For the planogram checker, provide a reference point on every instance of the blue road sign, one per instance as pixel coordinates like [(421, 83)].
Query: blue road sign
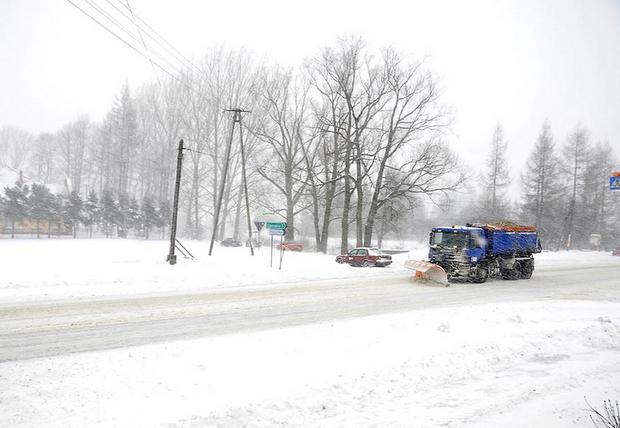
[(614, 182)]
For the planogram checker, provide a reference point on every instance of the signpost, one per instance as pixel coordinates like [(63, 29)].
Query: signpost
[(276, 229)]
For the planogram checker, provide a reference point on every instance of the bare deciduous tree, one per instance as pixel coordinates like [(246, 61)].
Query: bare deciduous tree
[(284, 132), (496, 178), (15, 147)]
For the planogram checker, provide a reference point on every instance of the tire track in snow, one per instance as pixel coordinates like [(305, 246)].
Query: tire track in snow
[(61, 327)]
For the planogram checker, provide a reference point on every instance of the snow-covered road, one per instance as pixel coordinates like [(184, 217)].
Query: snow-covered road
[(30, 330)]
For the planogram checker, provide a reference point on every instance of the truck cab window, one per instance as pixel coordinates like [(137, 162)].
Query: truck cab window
[(456, 239)]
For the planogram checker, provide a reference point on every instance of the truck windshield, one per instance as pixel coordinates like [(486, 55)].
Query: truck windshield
[(450, 239)]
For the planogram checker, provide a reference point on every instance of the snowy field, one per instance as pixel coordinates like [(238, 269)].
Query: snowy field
[(316, 344), (65, 268)]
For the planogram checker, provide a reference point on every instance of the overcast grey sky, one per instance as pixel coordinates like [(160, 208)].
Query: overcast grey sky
[(517, 62)]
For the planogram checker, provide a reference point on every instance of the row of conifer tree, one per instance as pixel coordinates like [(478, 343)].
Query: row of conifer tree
[(37, 210)]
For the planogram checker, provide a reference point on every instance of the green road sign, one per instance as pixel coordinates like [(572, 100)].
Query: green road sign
[(275, 225)]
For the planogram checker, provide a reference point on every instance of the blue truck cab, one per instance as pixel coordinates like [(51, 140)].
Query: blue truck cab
[(476, 252)]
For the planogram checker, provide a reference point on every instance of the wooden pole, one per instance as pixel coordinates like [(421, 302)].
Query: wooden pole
[(172, 258), (244, 178), (218, 206)]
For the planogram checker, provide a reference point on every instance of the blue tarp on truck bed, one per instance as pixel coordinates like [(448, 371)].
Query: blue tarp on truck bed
[(503, 242)]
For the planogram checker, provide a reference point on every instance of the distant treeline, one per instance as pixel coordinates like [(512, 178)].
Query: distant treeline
[(34, 209)]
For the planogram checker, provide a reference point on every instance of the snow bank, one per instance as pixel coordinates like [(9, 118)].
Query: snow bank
[(508, 365)]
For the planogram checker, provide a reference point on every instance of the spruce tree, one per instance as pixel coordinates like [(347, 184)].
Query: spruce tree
[(91, 211), (574, 161), (110, 213), (150, 216), (600, 214), (124, 130), (16, 203), (73, 211), (123, 216), (134, 220), (497, 178), (165, 216), (41, 203), (542, 190)]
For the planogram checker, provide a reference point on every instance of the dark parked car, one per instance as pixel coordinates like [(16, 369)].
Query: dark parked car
[(231, 242), (616, 252), (365, 257), (291, 246)]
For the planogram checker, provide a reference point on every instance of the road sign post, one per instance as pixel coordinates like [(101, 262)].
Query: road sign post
[(276, 228), (281, 250)]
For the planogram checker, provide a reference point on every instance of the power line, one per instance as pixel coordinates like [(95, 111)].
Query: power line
[(124, 29), (174, 51), (139, 29), (140, 34), (156, 37), (127, 43), (170, 48)]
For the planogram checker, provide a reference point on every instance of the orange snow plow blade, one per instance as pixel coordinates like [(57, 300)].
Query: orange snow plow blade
[(428, 272)]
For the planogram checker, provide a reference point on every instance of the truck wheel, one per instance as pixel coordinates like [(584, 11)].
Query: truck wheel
[(512, 274), (480, 277), (527, 269)]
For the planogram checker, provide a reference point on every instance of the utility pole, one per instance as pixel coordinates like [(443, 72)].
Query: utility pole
[(244, 179), (172, 258), (218, 205)]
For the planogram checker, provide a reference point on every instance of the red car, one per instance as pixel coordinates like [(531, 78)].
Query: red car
[(365, 257), (616, 252), (291, 246)]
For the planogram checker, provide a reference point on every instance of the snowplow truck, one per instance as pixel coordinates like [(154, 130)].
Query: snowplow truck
[(476, 252)]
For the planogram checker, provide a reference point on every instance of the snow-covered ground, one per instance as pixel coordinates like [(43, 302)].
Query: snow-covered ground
[(64, 268), (503, 365), (228, 341)]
